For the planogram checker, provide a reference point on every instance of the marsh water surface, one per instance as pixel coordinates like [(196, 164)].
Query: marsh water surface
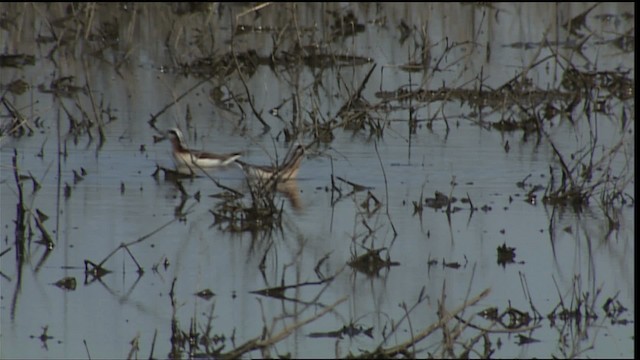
[(451, 148)]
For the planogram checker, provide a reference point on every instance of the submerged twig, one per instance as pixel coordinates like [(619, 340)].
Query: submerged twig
[(386, 190)]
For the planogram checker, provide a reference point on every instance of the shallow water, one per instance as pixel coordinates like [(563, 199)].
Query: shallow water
[(561, 254)]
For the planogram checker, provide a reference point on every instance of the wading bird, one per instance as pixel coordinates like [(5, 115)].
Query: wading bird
[(285, 171), (188, 160)]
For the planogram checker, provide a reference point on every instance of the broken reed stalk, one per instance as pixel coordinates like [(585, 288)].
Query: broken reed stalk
[(356, 95), (20, 211), (99, 266), (258, 343), (154, 117), (218, 184), (386, 190), (281, 289), (283, 334), (253, 9), (527, 293), (489, 330), (86, 347), (133, 352), (575, 193), (413, 344), (19, 120), (447, 346), (153, 344), (412, 124), (89, 14), (265, 126), (46, 238), (444, 318), (93, 102)]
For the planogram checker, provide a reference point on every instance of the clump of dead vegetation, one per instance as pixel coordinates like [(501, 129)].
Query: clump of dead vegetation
[(264, 182), (261, 214)]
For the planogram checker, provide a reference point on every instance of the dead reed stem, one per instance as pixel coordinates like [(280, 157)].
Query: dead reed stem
[(444, 319), (386, 191), (20, 211), (258, 344)]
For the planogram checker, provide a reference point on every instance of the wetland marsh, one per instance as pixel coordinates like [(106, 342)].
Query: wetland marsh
[(467, 188)]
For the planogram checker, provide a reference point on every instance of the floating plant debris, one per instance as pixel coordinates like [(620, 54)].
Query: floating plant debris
[(506, 255), (16, 60), (67, 283), (205, 294)]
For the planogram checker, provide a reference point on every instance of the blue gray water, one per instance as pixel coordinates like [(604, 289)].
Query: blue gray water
[(559, 252)]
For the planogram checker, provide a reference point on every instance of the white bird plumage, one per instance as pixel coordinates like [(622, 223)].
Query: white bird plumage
[(188, 160)]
